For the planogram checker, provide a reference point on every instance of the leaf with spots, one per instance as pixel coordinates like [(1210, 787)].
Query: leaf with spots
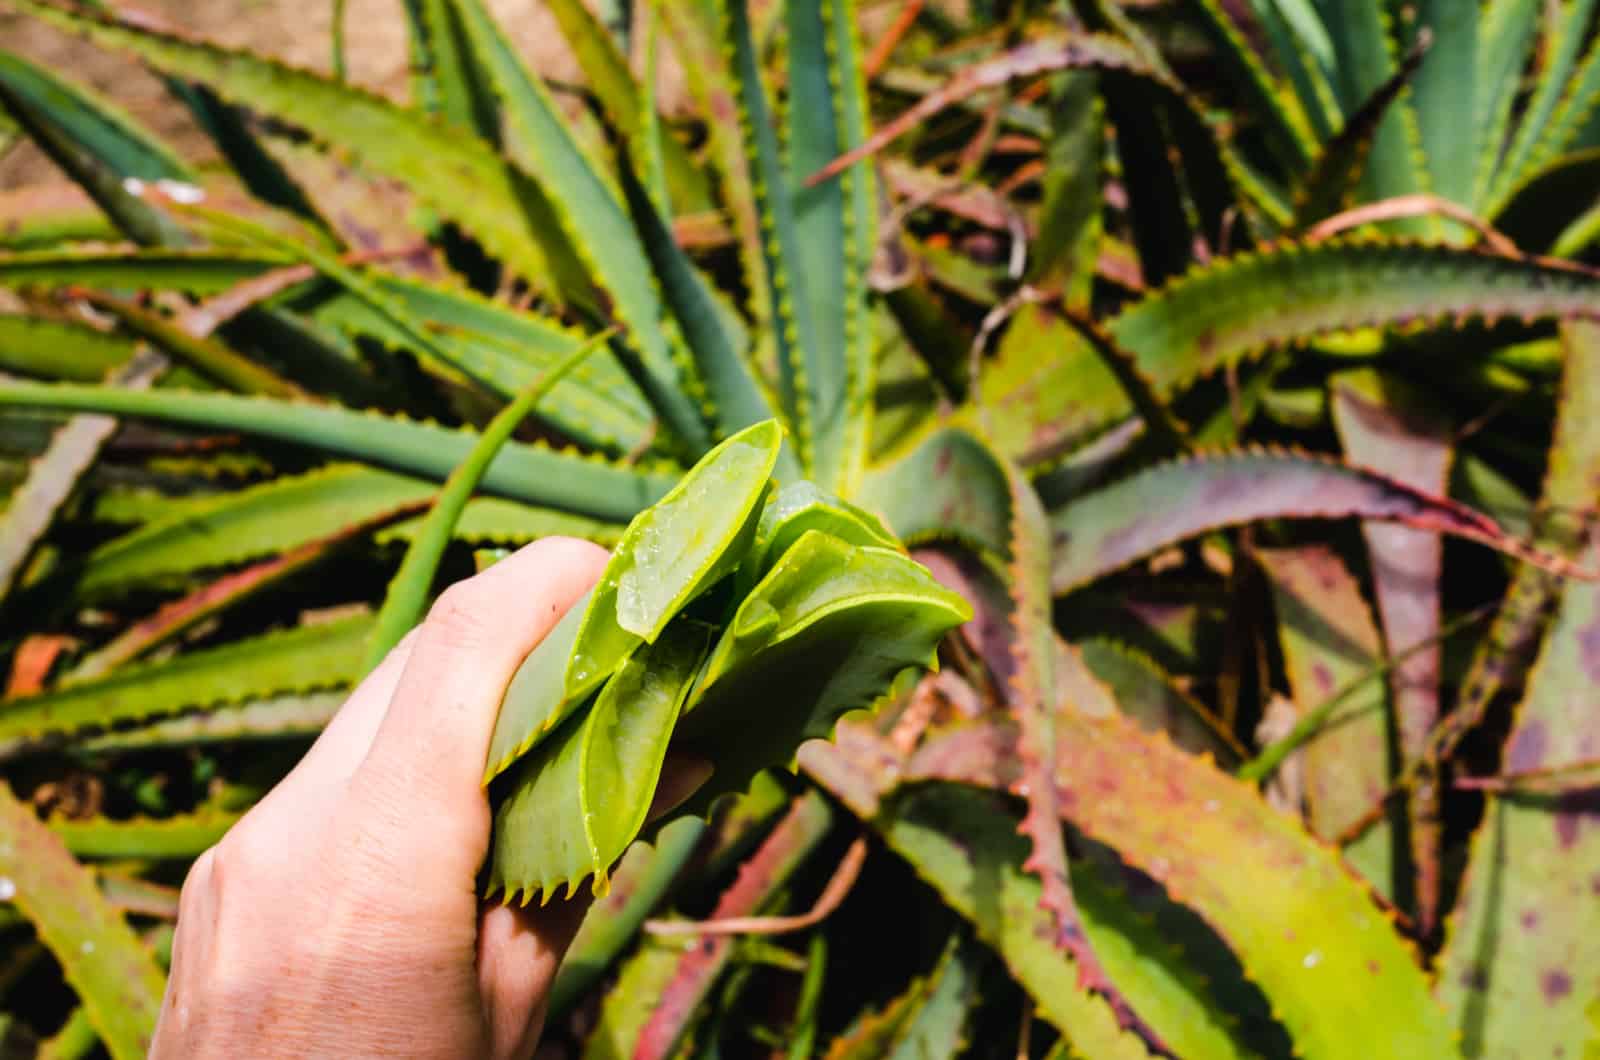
[(1391, 427), (1329, 640), (1106, 530), (114, 975), (1330, 963), (1521, 937)]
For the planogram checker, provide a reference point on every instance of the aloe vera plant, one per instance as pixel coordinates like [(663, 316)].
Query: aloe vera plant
[(1154, 454)]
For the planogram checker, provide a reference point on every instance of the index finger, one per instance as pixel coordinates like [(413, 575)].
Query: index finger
[(431, 745)]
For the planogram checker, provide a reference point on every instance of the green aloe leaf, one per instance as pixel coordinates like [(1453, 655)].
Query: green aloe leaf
[(1287, 126), (945, 489), (1106, 530), (798, 507), (597, 404), (1343, 162), (112, 135), (532, 473), (669, 554), (99, 147), (963, 842), (432, 159), (580, 798), (219, 530), (114, 975), (595, 225), (296, 660), (606, 70), (1554, 91), (642, 880), (1507, 30), (1336, 973), (1364, 60), (199, 272), (1446, 94), (1235, 307), (929, 1020), (180, 838), (1514, 944), (408, 591), (826, 631), (289, 717), (720, 351)]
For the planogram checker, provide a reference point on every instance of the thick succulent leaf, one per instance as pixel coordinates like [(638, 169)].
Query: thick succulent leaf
[(445, 82), (1234, 307), (669, 554), (285, 513), (834, 220), (92, 145), (1521, 959), (1286, 124), (297, 660), (112, 135), (1507, 29), (1150, 696), (964, 844), (947, 488), (59, 349), (797, 507), (180, 838), (719, 351), (1533, 215), (759, 884), (54, 476), (1343, 162), (1364, 60), (643, 878), (928, 1021), (580, 798), (1110, 528), (1539, 132), (795, 334), (210, 358), (531, 473), (597, 404), (1329, 641), (606, 70), (195, 271), (409, 590), (1045, 391), (214, 597), (289, 717), (706, 69), (114, 975), (625, 1010), (432, 159), (826, 631), (596, 226), (1336, 973), (1386, 426), (1445, 96), (1517, 942)]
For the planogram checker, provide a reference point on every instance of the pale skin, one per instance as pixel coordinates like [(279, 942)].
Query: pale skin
[(341, 916)]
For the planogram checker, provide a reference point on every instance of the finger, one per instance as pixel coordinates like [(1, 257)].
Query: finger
[(519, 953), (431, 744)]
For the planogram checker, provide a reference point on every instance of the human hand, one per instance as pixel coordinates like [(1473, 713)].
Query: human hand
[(340, 916)]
